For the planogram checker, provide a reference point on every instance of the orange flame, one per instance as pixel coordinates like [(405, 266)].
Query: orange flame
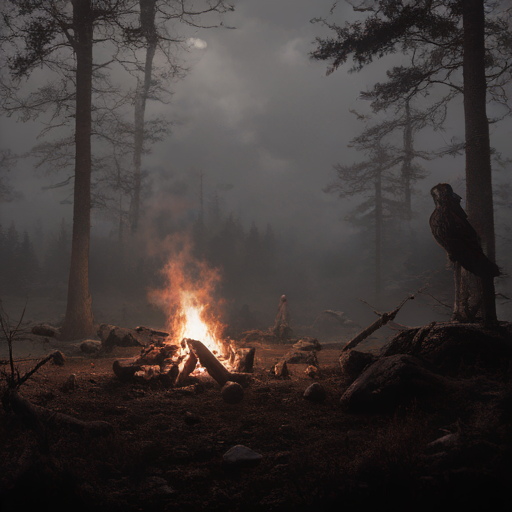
[(187, 298)]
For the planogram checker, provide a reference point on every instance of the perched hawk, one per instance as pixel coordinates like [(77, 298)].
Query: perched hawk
[(452, 231)]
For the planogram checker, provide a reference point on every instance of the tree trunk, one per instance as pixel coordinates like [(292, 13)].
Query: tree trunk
[(378, 235), (479, 200), (407, 163), (78, 322), (147, 22)]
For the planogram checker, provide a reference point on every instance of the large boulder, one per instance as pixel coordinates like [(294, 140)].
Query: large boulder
[(353, 363), (90, 347), (390, 382), (451, 347)]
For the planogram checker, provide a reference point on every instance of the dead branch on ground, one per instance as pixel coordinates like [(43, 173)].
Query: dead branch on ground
[(38, 418), (383, 319)]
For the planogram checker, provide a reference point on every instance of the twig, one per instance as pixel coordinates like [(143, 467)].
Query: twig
[(57, 357), (435, 298), (10, 334)]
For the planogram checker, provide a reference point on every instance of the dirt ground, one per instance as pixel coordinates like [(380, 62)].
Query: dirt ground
[(166, 451)]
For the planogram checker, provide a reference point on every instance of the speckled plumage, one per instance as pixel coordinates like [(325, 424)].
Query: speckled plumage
[(453, 232)]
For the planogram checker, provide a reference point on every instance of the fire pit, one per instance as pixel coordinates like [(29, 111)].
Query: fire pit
[(195, 343)]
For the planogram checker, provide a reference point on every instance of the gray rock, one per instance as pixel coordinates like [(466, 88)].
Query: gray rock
[(312, 371), (90, 346), (353, 363), (70, 384), (104, 330), (308, 345), (241, 455), (301, 357), (158, 486), (45, 330), (121, 337), (232, 392), (444, 443), (315, 393), (281, 370), (390, 382)]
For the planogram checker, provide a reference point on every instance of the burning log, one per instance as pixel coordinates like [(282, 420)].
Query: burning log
[(173, 370), (147, 372), (186, 367), (127, 369), (214, 367), (157, 355)]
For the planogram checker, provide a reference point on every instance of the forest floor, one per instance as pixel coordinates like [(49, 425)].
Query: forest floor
[(166, 451)]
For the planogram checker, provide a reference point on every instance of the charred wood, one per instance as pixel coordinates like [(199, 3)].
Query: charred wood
[(186, 367), (125, 369), (213, 366)]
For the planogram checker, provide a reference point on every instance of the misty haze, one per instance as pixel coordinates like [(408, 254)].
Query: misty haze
[(256, 184)]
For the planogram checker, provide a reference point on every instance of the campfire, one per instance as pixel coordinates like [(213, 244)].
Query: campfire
[(194, 342), (191, 322)]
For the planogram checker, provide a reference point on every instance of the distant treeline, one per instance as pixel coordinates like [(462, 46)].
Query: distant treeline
[(30, 267), (257, 265), (37, 263)]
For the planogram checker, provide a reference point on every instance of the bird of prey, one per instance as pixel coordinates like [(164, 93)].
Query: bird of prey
[(453, 232)]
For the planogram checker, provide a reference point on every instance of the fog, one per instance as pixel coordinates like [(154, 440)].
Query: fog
[(264, 125)]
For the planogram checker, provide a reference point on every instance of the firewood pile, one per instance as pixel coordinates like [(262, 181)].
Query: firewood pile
[(173, 364)]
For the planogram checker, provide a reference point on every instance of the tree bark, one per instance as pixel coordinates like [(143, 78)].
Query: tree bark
[(407, 162), (214, 367), (378, 235), (147, 22), (79, 322), (479, 200)]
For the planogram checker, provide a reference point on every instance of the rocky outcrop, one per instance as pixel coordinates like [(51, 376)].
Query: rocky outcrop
[(390, 382), (452, 347), (353, 362)]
